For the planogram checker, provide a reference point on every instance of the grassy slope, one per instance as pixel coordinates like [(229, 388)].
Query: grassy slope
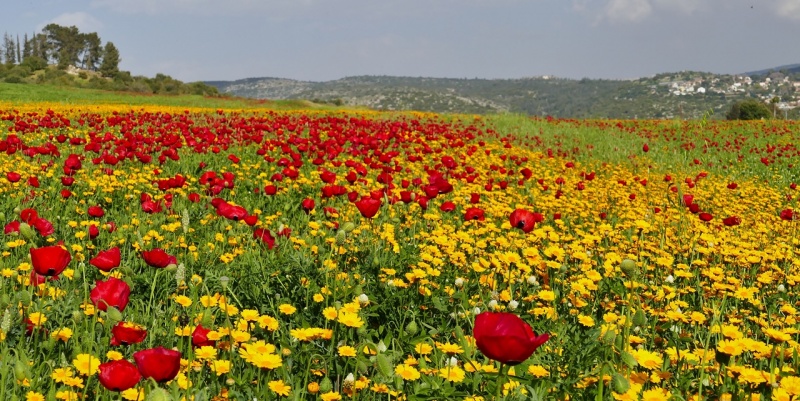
[(30, 93)]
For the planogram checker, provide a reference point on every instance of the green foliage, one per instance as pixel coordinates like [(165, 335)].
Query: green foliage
[(750, 109), (110, 65)]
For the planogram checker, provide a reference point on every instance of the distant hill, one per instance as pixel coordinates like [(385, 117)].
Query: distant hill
[(786, 69), (686, 94)]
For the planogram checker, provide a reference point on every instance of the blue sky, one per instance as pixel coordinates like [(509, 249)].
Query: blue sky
[(321, 40)]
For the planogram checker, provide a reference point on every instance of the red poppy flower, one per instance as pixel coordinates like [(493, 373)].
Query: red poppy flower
[(11, 228), (158, 258), (506, 338), (270, 190), (96, 211), (645, 148), (118, 375), (124, 333), (265, 236), (29, 215), (200, 337), (307, 205), (474, 213), (524, 220), (732, 221), (231, 212), (159, 363), (13, 177), (44, 227), (368, 207), (106, 260), (787, 214), (66, 194), (93, 231), (447, 206), (111, 292), (705, 216), (50, 260)]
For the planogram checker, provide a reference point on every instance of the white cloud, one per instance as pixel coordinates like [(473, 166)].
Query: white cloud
[(84, 21), (788, 9), (627, 10), (683, 6)]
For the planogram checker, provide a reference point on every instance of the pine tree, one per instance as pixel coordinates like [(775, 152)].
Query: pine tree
[(110, 65), (9, 49), (26, 47), (19, 51)]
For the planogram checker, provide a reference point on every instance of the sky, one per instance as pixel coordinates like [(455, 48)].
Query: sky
[(321, 40)]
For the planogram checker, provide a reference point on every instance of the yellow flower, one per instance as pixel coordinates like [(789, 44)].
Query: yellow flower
[(329, 313), (60, 375), (586, 320), (183, 300), (279, 387), (249, 315), (318, 297), (407, 372), (114, 355), (221, 367), (37, 318), (331, 396), (423, 348), (450, 349), (268, 322), (206, 353), (287, 309), (648, 360), (133, 394), (62, 334), (33, 396), (347, 351), (86, 364), (350, 319), (452, 373), (538, 371)]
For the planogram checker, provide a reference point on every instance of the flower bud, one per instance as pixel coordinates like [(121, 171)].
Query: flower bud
[(341, 237), (223, 281), (628, 268), (348, 227), (325, 385), (158, 394), (27, 231), (532, 280), (639, 319), (512, 305), (459, 282), (313, 387), (620, 384), (412, 328)]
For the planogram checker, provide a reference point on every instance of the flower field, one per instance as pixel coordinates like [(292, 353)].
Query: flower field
[(165, 253)]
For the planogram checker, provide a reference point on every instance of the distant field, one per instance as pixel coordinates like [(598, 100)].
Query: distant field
[(28, 93)]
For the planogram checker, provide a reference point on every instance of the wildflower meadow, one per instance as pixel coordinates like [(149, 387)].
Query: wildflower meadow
[(167, 253)]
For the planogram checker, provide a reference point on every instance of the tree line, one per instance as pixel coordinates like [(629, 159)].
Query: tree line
[(62, 46)]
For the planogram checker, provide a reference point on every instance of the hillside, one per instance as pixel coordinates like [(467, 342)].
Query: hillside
[(672, 95)]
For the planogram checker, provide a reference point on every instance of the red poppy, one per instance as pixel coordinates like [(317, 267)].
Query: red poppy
[(787, 214), (106, 260), (96, 211), (732, 221), (66, 194), (13, 177), (118, 375), (447, 206), (506, 338), (368, 207), (705, 216), (11, 228), (50, 260), (111, 292), (44, 227), (524, 219), (231, 212), (158, 258), (645, 148), (29, 215), (158, 363), (307, 205), (200, 337), (270, 190), (93, 231), (474, 213), (124, 333), (265, 236)]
